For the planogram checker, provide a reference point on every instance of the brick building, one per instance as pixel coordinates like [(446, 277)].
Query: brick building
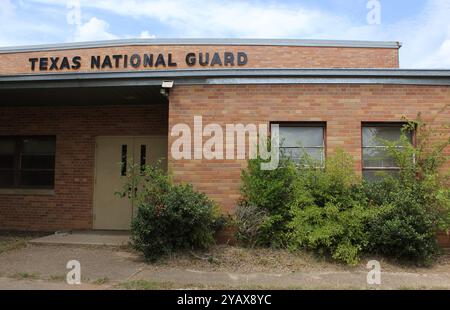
[(71, 113)]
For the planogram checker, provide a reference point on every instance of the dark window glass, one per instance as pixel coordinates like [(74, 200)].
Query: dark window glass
[(7, 151), (7, 159), (143, 156), (38, 154), (27, 162), (374, 175), (37, 178), (123, 166), (36, 162), (377, 162), (6, 179), (301, 141)]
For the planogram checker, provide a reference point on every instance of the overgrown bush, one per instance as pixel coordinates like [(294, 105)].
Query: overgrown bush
[(169, 217), (329, 214), (419, 198), (269, 192), (249, 221), (407, 229), (331, 211)]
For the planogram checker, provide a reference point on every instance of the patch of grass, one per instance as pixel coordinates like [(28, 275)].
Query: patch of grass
[(422, 288), (12, 243), (57, 278), (151, 285), (140, 285), (25, 276), (249, 260), (101, 281), (267, 260)]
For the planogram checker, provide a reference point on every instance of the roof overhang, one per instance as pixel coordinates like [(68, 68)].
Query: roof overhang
[(205, 41), (228, 77)]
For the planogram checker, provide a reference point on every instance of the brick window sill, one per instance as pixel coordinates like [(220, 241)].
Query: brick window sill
[(27, 192)]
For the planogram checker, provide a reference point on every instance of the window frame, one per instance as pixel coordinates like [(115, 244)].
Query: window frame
[(400, 125), (18, 170), (309, 124)]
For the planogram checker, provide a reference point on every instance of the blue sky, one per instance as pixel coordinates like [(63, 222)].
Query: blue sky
[(423, 26)]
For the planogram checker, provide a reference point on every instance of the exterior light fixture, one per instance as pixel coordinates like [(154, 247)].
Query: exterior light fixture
[(165, 88)]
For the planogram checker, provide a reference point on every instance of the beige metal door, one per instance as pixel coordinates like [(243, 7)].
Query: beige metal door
[(150, 151), (112, 155)]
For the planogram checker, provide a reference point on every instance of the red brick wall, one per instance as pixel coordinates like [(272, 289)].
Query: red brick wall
[(76, 128), (258, 57), (343, 107)]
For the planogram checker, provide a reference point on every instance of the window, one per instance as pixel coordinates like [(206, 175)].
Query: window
[(27, 162), (375, 155), (303, 140)]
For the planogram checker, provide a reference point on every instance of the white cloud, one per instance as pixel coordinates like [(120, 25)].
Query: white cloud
[(226, 18), (6, 14), (426, 36), (6, 8), (146, 35), (93, 30), (441, 58), (15, 30)]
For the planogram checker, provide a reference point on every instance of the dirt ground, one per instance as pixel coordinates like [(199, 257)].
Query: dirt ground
[(25, 266)]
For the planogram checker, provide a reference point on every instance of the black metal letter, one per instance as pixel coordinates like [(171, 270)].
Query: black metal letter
[(43, 64), (229, 59), (216, 60), (54, 65), (148, 60), (33, 63), (160, 61), (95, 62), (117, 59), (135, 60), (65, 64), (170, 62), (107, 62), (242, 59), (76, 63), (200, 59), (190, 59)]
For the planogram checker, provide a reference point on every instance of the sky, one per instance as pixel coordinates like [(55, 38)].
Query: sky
[(423, 26)]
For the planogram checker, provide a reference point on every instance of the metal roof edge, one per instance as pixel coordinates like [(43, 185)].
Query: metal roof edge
[(236, 73), (193, 41)]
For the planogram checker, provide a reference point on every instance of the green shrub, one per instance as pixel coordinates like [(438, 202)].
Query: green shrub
[(331, 231), (329, 213), (269, 191), (419, 198), (407, 228), (170, 217)]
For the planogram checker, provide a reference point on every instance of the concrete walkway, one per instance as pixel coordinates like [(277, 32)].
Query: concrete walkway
[(15, 284), (44, 267), (298, 280), (95, 238)]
